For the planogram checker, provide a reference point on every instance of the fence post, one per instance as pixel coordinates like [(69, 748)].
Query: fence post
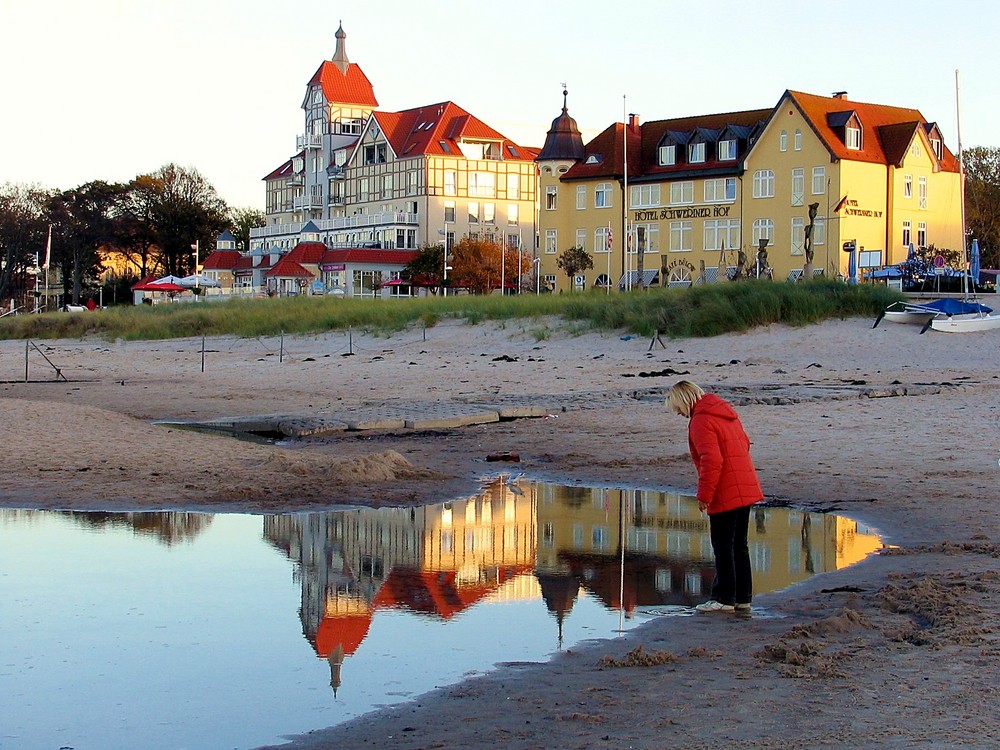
[(281, 348), (203, 354), (27, 343)]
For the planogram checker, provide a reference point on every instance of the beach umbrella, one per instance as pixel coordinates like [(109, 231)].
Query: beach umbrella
[(911, 253), (852, 267), (974, 262)]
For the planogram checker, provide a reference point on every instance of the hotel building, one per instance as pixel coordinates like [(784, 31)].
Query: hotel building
[(698, 198), (374, 187)]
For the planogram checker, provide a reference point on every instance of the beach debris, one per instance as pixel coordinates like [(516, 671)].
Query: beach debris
[(504, 358), (504, 456), (639, 657)]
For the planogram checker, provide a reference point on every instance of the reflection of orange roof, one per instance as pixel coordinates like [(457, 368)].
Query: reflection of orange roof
[(437, 592), (345, 630)]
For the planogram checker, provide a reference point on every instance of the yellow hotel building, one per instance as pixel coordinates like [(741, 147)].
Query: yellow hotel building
[(698, 197)]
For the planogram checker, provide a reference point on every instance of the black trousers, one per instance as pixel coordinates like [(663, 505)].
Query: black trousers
[(733, 579)]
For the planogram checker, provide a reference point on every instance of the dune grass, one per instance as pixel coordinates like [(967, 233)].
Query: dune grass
[(698, 311)]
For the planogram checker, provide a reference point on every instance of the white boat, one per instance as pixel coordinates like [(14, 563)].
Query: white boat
[(922, 313), (966, 323)]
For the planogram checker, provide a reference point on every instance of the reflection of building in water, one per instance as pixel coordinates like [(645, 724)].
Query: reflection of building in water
[(668, 549), (439, 560), (433, 560)]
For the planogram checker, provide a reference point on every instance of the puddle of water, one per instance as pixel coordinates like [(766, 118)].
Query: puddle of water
[(168, 630)]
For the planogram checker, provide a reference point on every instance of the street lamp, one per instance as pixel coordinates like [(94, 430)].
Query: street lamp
[(536, 262), (444, 261)]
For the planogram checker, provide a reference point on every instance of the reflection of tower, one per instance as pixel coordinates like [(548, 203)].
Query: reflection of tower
[(559, 593), (336, 659)]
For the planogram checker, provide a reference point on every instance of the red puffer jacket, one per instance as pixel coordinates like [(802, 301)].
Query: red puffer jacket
[(720, 450)]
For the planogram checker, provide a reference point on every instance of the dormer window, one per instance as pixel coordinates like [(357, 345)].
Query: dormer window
[(938, 149), (852, 136), (668, 156), (593, 159), (696, 153), (727, 150)]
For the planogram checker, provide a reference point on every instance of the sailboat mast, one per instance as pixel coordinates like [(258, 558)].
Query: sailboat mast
[(961, 184)]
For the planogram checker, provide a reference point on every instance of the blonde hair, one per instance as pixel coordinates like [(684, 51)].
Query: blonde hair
[(682, 397)]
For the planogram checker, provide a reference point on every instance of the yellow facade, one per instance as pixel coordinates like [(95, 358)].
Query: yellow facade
[(692, 227)]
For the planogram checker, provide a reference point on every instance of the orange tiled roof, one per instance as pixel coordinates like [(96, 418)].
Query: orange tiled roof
[(353, 88), (606, 151), (287, 268), (307, 252), (221, 260), (347, 631), (881, 127), (285, 169), (370, 255), (422, 130)]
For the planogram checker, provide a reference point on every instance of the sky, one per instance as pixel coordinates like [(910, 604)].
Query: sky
[(109, 89)]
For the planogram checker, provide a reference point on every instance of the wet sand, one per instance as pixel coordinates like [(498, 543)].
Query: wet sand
[(897, 430)]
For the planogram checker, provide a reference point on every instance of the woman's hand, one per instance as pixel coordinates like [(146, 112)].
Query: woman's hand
[(703, 507)]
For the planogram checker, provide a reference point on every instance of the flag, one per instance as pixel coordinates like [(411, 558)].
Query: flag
[(48, 250), (843, 202), (610, 238)]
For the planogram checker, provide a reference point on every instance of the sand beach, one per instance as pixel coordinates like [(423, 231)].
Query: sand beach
[(898, 430)]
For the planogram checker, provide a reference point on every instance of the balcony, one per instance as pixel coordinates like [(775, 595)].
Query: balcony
[(336, 200), (308, 202), (308, 141), (295, 181)]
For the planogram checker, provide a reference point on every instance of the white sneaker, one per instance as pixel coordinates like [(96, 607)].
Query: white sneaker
[(714, 606)]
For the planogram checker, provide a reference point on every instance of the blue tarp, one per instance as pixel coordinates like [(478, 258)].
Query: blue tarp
[(949, 306), (886, 273)]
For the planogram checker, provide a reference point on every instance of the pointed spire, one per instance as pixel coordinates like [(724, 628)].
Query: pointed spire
[(340, 54), (563, 141)]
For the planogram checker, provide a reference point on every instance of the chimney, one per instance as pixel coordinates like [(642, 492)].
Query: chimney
[(840, 95), (633, 122)]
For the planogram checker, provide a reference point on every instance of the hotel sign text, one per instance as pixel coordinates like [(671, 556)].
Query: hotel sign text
[(693, 212)]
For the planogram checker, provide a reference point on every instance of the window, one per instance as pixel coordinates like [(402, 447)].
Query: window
[(852, 137), (412, 182), (921, 192), (668, 156), (921, 234), (819, 180), (936, 146), (907, 185), (906, 234), (727, 150), (483, 184), (718, 191), (680, 236), (797, 140), (681, 193), (763, 183), (449, 212), (363, 189), (550, 241), (601, 240), (722, 234), (602, 195), (763, 229), (387, 186), (798, 186), (696, 153), (489, 213), (581, 239), (512, 214), (473, 212), (645, 239), (550, 198), (513, 187), (581, 197), (819, 231), (644, 196), (798, 235), (450, 182), (915, 149), (783, 141)]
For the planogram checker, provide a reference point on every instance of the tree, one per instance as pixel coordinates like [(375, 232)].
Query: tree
[(23, 231), (982, 201), (427, 268), (187, 210), (135, 232), (241, 221), (574, 260), (84, 221), (476, 264)]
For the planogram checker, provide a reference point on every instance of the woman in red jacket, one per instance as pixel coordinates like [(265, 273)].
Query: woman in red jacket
[(727, 487)]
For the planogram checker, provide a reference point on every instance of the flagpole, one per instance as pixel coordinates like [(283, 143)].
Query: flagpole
[(48, 259), (626, 261), (609, 256)]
